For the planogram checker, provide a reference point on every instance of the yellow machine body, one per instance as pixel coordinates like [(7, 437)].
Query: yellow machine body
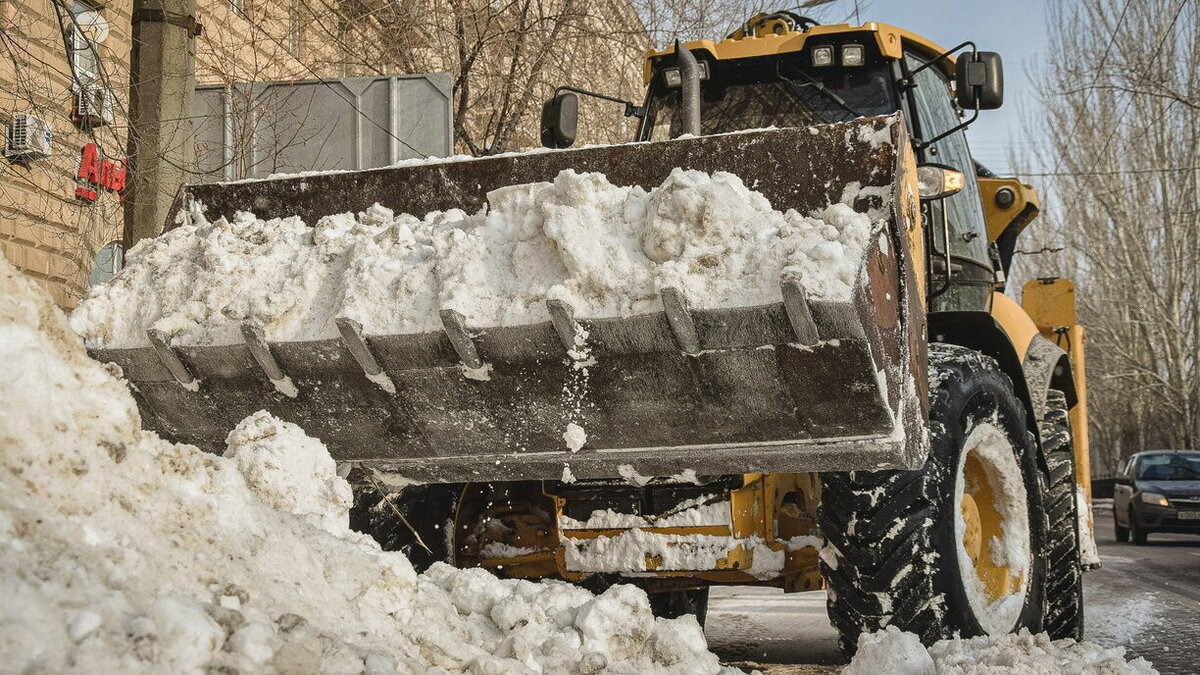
[(773, 514), (774, 38)]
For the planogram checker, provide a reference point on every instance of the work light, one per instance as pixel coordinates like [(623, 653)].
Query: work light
[(674, 78), (822, 56), (853, 55)]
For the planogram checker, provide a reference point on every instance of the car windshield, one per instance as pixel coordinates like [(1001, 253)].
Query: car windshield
[(759, 93), (1174, 466)]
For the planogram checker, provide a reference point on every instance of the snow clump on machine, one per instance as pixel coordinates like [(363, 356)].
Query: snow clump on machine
[(899, 653), (607, 250), (121, 552)]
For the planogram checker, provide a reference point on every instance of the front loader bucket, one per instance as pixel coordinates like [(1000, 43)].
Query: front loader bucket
[(796, 385)]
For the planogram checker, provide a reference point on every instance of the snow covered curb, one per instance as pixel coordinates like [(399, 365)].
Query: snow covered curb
[(604, 249), (895, 652), (120, 552)]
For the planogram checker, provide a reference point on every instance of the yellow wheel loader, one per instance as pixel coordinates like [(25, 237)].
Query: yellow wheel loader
[(919, 451)]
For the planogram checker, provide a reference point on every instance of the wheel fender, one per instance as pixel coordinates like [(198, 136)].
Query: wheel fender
[(1008, 335), (983, 333), (1047, 366)]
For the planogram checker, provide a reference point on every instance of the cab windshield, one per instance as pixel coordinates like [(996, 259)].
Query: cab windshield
[(771, 92)]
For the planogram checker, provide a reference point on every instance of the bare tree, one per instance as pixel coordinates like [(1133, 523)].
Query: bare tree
[(505, 57), (1121, 135)]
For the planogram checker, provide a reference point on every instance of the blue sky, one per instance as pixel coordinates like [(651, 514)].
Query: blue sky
[(1014, 28)]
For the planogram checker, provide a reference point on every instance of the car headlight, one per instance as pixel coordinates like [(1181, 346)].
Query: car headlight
[(1155, 499)]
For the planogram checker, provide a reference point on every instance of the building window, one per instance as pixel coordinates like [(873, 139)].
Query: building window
[(88, 29)]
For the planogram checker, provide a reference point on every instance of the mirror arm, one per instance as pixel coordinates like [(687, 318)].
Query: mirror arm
[(942, 56), (631, 110)]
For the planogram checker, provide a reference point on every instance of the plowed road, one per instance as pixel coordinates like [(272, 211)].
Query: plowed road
[(1145, 598)]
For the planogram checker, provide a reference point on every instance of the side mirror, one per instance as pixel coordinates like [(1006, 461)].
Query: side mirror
[(938, 181), (560, 116), (979, 78), (1122, 480)]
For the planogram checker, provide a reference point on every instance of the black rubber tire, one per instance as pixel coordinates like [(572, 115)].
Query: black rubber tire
[(1120, 532), (1064, 564), (1136, 534), (674, 604), (427, 511), (893, 532)]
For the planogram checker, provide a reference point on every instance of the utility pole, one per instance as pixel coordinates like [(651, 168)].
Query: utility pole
[(161, 142)]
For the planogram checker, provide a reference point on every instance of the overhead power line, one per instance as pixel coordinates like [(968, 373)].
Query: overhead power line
[(1115, 172)]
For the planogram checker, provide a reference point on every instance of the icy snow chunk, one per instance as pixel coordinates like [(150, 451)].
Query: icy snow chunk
[(890, 651), (178, 634), (631, 475), (290, 471), (617, 622), (83, 625), (894, 651), (574, 437)]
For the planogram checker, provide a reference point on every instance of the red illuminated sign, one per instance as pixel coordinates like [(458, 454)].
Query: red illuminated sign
[(97, 173)]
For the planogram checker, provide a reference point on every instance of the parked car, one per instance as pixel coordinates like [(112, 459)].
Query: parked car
[(1157, 491)]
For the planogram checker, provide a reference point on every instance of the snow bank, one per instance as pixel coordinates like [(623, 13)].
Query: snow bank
[(120, 552), (605, 249), (898, 653)]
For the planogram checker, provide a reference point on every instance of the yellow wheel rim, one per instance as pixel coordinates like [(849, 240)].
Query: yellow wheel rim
[(983, 528)]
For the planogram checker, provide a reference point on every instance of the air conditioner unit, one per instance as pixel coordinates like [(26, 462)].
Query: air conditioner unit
[(28, 137), (94, 105)]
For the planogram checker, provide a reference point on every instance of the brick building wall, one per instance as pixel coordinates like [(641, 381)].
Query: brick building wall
[(45, 229), (52, 234)]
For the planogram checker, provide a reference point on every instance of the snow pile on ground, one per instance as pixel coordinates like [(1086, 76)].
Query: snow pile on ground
[(898, 653), (120, 552), (607, 250)]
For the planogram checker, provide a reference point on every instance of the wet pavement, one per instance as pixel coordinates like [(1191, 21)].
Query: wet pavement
[(1146, 598)]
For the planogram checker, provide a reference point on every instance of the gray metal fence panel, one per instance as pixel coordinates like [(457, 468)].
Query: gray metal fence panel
[(255, 129)]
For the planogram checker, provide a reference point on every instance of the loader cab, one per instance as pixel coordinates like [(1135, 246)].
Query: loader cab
[(828, 74)]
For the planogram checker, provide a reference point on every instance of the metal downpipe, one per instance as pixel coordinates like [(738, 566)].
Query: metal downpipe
[(689, 73)]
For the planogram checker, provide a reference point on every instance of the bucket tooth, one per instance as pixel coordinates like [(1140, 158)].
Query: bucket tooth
[(838, 320), (795, 303), (455, 325), (680, 318), (256, 342), (352, 338), (170, 360), (562, 315)]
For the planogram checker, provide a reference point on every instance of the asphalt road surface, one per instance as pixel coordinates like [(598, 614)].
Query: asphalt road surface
[(1144, 598)]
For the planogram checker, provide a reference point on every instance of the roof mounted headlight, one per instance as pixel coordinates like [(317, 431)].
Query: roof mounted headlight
[(853, 55), (672, 77), (822, 56)]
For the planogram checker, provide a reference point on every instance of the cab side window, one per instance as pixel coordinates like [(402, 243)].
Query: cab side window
[(935, 114)]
